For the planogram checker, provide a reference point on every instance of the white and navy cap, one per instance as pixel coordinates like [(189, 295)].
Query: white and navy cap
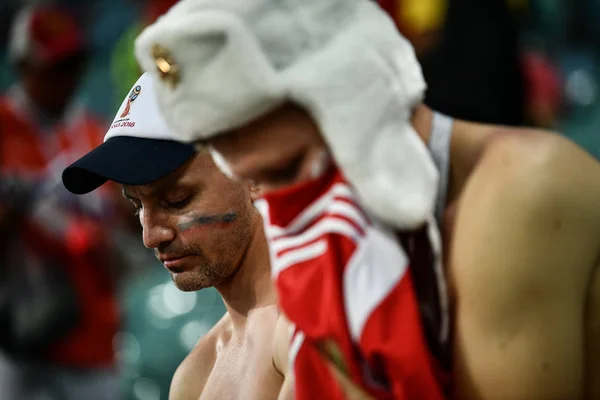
[(139, 147)]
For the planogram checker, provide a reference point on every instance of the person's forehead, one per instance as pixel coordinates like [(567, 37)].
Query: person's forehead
[(258, 144), (184, 175), (198, 172), (265, 128), (250, 162), (154, 189)]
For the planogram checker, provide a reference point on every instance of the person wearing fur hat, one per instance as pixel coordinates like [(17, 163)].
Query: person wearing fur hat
[(321, 103)]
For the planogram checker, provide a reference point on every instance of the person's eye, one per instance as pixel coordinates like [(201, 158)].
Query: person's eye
[(177, 204), (289, 172), (138, 207)]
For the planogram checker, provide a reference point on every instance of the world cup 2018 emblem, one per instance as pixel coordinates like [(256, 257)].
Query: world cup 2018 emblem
[(135, 92)]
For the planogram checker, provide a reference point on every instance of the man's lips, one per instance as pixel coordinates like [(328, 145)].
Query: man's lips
[(173, 264)]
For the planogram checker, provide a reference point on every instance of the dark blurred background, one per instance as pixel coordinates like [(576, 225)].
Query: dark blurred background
[(107, 320)]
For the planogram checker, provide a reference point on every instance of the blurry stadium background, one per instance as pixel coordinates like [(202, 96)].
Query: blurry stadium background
[(461, 42)]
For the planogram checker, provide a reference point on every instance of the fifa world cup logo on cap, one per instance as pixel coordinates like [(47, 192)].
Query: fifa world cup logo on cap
[(135, 92)]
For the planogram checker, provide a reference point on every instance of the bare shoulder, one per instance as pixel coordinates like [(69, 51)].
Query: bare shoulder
[(541, 187), (543, 152), (509, 157), (524, 247), (192, 374), (543, 171)]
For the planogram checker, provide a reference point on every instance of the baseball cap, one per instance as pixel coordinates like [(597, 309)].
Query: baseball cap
[(45, 35), (139, 147)]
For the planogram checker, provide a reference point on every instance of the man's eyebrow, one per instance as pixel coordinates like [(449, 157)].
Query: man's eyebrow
[(157, 192)]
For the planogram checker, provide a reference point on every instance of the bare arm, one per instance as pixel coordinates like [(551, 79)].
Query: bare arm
[(526, 239)]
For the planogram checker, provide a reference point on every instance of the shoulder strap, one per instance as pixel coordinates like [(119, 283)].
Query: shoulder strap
[(439, 146)]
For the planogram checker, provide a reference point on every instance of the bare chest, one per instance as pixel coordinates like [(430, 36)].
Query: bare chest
[(244, 373)]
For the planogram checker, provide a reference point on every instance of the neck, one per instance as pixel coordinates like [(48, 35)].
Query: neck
[(250, 287)]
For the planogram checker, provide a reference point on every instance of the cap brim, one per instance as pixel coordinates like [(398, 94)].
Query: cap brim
[(126, 160)]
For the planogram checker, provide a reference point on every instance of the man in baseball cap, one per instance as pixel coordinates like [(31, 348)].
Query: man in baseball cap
[(335, 264), (204, 228), (321, 101)]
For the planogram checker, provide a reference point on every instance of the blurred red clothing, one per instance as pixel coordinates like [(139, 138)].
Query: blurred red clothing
[(156, 8), (544, 89), (72, 234)]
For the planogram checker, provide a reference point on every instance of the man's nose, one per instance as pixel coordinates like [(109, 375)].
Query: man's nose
[(155, 232)]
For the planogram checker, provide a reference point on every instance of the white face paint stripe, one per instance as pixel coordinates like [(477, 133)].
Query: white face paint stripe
[(221, 163), (320, 165)]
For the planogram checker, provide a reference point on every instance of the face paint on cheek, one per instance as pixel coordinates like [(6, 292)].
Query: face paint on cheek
[(221, 163), (203, 220), (320, 164)]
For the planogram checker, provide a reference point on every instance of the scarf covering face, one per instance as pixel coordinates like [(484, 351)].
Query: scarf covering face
[(372, 302), (225, 63)]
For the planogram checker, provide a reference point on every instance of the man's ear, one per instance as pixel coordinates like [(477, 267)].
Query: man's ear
[(256, 191)]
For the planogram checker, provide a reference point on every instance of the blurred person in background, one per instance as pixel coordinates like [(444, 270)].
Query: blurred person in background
[(58, 306)]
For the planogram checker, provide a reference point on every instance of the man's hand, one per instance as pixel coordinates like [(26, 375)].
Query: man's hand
[(351, 389), (280, 361)]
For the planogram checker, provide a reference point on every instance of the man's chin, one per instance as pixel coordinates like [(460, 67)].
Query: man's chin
[(187, 282)]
